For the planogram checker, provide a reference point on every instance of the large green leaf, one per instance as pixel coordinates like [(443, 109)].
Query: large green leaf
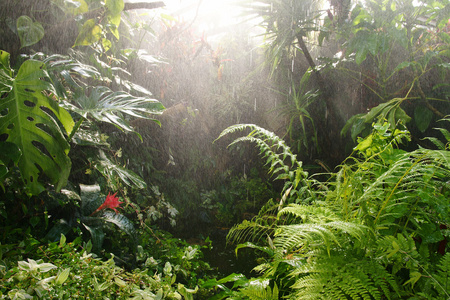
[(96, 231), (112, 172), (422, 117), (66, 72), (9, 156), (90, 33), (122, 222), (73, 7), (90, 198), (5, 72), (29, 32), (115, 8), (29, 118), (107, 106)]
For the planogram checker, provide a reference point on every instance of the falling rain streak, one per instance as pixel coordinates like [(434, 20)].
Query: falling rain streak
[(142, 121)]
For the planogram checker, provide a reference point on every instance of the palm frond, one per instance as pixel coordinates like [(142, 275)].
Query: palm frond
[(111, 171)]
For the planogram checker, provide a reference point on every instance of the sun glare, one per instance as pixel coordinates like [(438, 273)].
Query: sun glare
[(207, 14)]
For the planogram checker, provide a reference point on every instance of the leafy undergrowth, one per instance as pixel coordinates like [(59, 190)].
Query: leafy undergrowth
[(168, 268)]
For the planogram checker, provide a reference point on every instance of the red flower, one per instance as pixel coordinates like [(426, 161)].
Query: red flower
[(111, 201)]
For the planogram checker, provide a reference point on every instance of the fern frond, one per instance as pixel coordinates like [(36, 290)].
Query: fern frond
[(296, 237), (438, 143), (269, 144), (343, 277), (320, 226), (273, 159), (442, 278), (249, 231), (378, 194), (309, 213), (259, 289), (305, 236), (258, 228), (234, 128)]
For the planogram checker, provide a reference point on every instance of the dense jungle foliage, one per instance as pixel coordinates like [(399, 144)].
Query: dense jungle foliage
[(311, 141)]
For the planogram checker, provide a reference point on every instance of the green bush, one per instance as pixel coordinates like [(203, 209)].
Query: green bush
[(67, 270)]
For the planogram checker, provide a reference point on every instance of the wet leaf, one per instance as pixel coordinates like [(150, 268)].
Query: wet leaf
[(404, 65), (115, 7), (366, 143), (120, 282), (97, 235), (89, 34), (114, 22), (400, 114), (422, 117), (9, 153), (358, 127), (76, 7), (27, 124), (167, 268), (29, 32), (374, 112), (106, 44), (62, 277)]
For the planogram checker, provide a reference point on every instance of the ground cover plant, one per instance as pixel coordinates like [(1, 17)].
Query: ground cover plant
[(62, 270)]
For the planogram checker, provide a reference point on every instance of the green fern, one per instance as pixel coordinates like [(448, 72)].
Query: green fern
[(281, 162), (316, 227), (439, 144), (340, 276), (441, 280), (269, 144), (355, 236), (260, 289), (258, 228), (391, 195)]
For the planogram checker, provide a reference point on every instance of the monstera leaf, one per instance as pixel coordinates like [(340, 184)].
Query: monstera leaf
[(104, 105), (29, 118), (9, 155)]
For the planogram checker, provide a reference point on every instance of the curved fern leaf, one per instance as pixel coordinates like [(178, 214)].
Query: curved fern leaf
[(258, 228), (343, 277), (259, 289), (319, 226), (441, 280)]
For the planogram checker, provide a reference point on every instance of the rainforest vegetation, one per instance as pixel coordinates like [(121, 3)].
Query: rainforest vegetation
[(300, 153)]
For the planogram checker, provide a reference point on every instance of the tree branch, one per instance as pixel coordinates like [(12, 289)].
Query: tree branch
[(143, 5), (318, 75), (128, 6)]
